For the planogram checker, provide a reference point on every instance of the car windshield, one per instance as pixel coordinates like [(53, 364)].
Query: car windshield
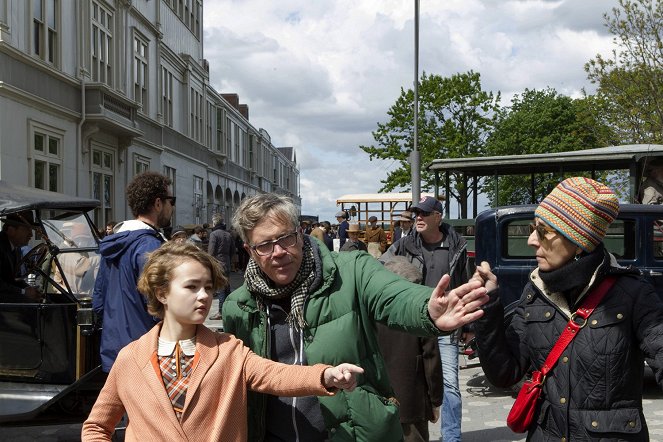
[(69, 231), (63, 258)]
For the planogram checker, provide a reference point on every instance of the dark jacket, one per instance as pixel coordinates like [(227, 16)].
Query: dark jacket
[(355, 292), (410, 247), (116, 299), (594, 392), (222, 247), (415, 372), (9, 286), (343, 231), (351, 245)]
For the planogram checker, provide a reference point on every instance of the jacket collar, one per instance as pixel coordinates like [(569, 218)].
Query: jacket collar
[(144, 354)]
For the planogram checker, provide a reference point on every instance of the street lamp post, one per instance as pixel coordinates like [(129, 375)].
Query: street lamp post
[(415, 159)]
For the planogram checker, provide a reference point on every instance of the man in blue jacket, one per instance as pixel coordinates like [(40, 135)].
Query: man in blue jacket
[(116, 299)]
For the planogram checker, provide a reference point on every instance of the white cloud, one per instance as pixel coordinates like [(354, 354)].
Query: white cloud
[(319, 76)]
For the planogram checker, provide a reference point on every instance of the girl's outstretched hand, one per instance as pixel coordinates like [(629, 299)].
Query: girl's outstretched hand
[(343, 376)]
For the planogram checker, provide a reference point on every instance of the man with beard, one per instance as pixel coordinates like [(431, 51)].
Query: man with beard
[(123, 254)]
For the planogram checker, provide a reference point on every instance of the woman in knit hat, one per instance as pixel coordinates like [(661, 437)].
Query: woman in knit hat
[(594, 390)]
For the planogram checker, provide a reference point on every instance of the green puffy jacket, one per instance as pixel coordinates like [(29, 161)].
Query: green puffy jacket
[(356, 291)]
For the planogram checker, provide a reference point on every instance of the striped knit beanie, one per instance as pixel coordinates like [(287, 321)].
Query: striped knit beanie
[(581, 209)]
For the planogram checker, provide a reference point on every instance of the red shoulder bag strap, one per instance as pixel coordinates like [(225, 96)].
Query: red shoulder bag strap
[(573, 327)]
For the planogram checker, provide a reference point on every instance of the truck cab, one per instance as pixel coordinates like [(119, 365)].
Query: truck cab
[(635, 238)]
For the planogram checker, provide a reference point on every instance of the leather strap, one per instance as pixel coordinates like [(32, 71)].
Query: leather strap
[(573, 327)]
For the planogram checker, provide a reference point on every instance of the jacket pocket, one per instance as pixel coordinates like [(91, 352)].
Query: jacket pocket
[(622, 420), (535, 313)]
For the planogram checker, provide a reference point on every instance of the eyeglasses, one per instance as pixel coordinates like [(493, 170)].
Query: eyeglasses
[(541, 230), (171, 198), (267, 248), (422, 213)]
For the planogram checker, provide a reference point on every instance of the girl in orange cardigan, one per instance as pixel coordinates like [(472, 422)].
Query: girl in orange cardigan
[(182, 381)]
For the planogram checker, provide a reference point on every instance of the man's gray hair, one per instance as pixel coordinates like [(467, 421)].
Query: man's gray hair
[(256, 208), (401, 266)]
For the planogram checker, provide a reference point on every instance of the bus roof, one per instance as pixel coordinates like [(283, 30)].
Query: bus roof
[(377, 197)]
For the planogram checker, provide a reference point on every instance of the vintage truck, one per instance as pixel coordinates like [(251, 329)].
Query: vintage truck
[(500, 238)]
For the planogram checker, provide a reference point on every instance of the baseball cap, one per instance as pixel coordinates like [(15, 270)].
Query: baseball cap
[(428, 204)]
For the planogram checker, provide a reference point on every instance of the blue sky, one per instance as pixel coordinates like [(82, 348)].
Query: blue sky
[(320, 75)]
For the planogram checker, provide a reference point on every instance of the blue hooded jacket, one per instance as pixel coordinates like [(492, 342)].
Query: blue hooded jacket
[(116, 299)]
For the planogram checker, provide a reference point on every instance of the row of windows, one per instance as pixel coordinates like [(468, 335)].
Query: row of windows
[(235, 143), (189, 11)]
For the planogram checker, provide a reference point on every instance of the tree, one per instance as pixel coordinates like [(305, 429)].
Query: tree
[(539, 121), (455, 118), (630, 80)]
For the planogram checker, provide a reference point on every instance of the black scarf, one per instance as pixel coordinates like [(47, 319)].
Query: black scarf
[(572, 278)]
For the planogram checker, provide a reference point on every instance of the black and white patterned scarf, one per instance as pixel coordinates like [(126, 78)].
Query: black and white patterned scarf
[(258, 283)]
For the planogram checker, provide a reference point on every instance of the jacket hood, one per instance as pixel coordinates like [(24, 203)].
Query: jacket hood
[(114, 246)]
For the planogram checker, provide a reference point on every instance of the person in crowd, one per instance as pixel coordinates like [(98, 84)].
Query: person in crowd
[(178, 234), (79, 268), (652, 192), (306, 227), (242, 255), (326, 237), (16, 233), (115, 299), (414, 367), (342, 218), (375, 238), (353, 242), (436, 249), (321, 232), (405, 222), (594, 391), (204, 236), (301, 304), (196, 237), (317, 231), (181, 381), (110, 225), (222, 247)]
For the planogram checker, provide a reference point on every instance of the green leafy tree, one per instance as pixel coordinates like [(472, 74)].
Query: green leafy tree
[(537, 122), (455, 118), (629, 95)]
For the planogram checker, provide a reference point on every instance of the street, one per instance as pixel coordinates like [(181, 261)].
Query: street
[(484, 407), (484, 413)]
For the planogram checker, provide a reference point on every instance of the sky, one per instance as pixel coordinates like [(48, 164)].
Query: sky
[(320, 75)]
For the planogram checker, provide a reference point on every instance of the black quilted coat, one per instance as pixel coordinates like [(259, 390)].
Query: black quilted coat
[(595, 390)]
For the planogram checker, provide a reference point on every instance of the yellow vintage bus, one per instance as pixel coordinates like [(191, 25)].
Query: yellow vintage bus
[(386, 207)]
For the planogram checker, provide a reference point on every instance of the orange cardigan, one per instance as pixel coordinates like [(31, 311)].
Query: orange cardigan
[(215, 408)]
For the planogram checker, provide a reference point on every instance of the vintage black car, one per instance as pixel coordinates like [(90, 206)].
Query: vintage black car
[(49, 356), (635, 238)]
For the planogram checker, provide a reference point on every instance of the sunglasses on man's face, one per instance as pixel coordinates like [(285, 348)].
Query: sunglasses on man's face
[(171, 198), (541, 230), (421, 213)]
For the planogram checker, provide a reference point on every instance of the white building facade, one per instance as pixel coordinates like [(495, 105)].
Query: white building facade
[(93, 92)]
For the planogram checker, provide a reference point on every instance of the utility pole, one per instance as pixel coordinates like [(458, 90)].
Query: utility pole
[(415, 159)]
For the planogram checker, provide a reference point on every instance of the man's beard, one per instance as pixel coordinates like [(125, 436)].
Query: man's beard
[(163, 222)]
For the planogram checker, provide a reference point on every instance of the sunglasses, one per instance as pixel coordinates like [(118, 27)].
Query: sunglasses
[(541, 230), (422, 213), (171, 198)]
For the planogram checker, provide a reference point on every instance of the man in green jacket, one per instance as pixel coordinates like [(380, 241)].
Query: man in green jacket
[(301, 304)]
